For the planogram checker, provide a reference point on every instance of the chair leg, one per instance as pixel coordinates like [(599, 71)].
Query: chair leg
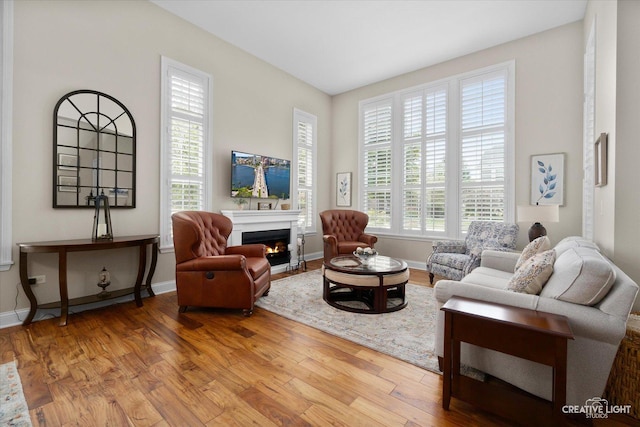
[(440, 364), (247, 312), (431, 278), (182, 309)]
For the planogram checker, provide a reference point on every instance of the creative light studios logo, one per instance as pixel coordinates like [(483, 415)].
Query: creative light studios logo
[(596, 407)]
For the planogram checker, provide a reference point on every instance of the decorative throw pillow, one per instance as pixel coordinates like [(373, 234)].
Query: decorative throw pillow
[(533, 274), (534, 247), (581, 276)]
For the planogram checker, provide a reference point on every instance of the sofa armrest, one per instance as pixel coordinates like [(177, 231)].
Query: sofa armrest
[(445, 289), (449, 246), (255, 250), (499, 260)]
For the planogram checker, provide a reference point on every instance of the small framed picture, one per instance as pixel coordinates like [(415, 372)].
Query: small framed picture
[(264, 206), (68, 184), (600, 157), (547, 179), (67, 161), (343, 189)]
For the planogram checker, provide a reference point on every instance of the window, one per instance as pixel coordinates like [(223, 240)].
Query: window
[(436, 157), (185, 133), (304, 168), (6, 82)]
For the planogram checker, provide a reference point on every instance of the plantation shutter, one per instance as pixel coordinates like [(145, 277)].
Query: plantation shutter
[(186, 168), (186, 129), (482, 151), (377, 130), (424, 124), (305, 173)]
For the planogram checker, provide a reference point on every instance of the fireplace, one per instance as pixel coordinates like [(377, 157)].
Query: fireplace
[(247, 221), (277, 242)]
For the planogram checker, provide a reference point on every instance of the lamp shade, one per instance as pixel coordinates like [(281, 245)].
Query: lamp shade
[(539, 213)]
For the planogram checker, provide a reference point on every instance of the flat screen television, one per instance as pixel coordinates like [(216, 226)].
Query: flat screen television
[(261, 177)]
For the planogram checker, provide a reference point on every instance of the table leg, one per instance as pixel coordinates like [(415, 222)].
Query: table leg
[(152, 269), (142, 264), (26, 287), (62, 280), (559, 395), (446, 373)]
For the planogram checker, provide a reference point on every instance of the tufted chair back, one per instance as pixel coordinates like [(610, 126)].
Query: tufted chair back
[(343, 232), (344, 224), (198, 234)]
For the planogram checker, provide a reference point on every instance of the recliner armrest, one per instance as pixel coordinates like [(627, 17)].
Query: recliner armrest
[(369, 239), (214, 263), (256, 250), (449, 246)]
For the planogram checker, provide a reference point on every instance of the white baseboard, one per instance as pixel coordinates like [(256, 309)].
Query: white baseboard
[(15, 317)]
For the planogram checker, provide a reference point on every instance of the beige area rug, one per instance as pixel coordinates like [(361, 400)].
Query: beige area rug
[(407, 334), (13, 406)]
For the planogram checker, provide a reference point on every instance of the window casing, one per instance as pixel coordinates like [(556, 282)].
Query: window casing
[(186, 177), (304, 169), (437, 156)]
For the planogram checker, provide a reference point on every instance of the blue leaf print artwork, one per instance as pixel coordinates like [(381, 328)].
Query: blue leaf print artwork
[(549, 182)]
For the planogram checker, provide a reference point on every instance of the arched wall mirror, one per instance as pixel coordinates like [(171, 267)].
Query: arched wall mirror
[(94, 151)]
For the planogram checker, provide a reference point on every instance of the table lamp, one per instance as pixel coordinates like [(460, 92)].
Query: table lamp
[(537, 214)]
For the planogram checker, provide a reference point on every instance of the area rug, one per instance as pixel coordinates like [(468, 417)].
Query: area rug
[(13, 406), (407, 334)]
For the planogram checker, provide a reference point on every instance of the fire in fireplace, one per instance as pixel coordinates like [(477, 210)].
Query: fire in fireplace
[(277, 242)]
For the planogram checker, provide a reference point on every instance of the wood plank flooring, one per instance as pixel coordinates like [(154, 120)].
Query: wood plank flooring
[(152, 366)]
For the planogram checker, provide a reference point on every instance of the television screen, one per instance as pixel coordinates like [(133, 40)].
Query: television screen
[(260, 177)]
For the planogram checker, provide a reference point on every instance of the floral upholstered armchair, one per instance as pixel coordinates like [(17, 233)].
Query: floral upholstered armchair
[(454, 259)]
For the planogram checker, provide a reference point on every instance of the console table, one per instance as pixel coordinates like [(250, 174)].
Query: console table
[(528, 334), (62, 247)]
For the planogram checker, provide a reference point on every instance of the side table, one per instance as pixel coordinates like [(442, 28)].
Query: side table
[(62, 247), (528, 334)]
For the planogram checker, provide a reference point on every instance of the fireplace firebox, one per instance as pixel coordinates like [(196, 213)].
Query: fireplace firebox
[(277, 242)]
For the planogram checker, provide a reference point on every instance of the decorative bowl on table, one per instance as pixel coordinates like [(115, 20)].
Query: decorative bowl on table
[(365, 255)]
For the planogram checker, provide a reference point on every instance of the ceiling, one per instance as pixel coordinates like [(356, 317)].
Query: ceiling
[(337, 46)]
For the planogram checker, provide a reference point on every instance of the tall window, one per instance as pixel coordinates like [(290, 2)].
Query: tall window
[(186, 157), (304, 168), (6, 85), (436, 157)]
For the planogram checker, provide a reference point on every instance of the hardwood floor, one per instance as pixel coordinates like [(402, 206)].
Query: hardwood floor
[(152, 366)]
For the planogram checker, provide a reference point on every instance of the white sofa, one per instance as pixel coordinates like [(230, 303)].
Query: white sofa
[(598, 329)]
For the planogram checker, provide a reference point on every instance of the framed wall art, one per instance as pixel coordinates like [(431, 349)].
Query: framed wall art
[(600, 157), (547, 179), (264, 206), (343, 189)]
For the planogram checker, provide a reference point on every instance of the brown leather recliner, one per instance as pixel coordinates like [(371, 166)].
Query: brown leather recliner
[(343, 232), (211, 274)]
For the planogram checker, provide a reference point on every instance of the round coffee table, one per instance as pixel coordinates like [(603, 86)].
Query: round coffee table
[(374, 288)]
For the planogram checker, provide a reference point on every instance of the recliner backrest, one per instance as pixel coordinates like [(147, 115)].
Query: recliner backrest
[(197, 234), (490, 235), (346, 225)]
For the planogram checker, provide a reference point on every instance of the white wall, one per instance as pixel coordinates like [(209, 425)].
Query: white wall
[(115, 47), (548, 120)]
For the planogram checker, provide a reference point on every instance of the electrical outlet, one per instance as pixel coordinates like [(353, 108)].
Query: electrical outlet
[(37, 280)]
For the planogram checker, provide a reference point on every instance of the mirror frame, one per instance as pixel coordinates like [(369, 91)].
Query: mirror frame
[(68, 164)]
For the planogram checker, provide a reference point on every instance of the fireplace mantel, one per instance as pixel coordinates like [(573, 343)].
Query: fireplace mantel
[(252, 220)]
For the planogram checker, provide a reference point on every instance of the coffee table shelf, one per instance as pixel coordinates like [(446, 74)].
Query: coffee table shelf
[(378, 287)]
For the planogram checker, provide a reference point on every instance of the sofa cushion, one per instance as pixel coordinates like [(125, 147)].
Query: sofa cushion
[(574, 242), (534, 247), (533, 274), (581, 275), (488, 277)]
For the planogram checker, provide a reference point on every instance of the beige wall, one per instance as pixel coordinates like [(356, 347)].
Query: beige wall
[(617, 205), (115, 47), (548, 120), (627, 173)]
